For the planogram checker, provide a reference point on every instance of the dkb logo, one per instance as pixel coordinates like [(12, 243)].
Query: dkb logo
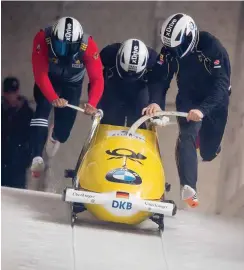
[(121, 205)]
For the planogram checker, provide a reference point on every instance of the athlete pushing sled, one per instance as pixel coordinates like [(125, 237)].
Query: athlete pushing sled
[(202, 68), (61, 55)]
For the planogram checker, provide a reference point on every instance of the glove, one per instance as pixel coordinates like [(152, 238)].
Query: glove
[(161, 121)]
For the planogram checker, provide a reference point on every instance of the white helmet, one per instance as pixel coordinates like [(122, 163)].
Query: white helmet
[(131, 59), (179, 34), (66, 36)]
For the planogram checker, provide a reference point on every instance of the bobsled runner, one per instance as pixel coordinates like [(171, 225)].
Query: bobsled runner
[(119, 176)]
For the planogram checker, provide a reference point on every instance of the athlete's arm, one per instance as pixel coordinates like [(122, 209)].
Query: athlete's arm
[(105, 57), (159, 79), (94, 69), (220, 71), (40, 66)]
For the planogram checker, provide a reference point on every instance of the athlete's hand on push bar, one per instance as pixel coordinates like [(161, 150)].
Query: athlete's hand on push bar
[(60, 103), (89, 109), (195, 115), (151, 109)]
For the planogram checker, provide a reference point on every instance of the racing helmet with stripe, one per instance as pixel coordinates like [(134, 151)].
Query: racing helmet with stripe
[(66, 37), (131, 59), (179, 34)]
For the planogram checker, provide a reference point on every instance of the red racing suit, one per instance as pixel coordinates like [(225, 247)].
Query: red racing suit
[(89, 60)]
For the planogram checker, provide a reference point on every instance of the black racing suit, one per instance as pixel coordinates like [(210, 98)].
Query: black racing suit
[(122, 101), (203, 79)]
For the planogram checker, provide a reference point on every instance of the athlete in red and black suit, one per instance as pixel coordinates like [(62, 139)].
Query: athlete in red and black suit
[(61, 56)]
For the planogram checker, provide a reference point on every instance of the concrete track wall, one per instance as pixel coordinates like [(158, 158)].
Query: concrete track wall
[(116, 21)]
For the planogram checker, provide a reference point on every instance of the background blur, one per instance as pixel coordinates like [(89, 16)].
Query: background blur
[(109, 22)]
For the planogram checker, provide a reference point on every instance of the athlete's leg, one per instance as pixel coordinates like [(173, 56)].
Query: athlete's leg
[(64, 118), (39, 123), (212, 132), (186, 156)]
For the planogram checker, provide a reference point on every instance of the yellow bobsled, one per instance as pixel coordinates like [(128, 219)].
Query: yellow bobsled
[(119, 176)]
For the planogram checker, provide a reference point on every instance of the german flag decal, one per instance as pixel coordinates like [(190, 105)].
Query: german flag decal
[(123, 195)]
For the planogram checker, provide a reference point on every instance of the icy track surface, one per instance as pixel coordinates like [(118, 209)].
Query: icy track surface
[(36, 235)]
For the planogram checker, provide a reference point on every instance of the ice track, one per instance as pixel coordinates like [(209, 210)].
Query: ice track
[(36, 235)]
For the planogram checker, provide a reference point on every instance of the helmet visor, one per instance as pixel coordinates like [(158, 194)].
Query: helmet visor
[(129, 76), (178, 51), (64, 48)]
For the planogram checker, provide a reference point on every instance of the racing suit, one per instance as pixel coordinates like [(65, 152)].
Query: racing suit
[(203, 79), (61, 78), (123, 101)]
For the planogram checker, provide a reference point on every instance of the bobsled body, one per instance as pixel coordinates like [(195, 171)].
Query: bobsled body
[(122, 168)]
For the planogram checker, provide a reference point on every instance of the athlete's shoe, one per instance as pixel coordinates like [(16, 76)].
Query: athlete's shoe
[(189, 195), (37, 167), (52, 145)]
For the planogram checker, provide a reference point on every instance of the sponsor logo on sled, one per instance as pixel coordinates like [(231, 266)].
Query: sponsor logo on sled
[(124, 176), (121, 205), (121, 208), (156, 205), (123, 133), (126, 153), (79, 194)]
